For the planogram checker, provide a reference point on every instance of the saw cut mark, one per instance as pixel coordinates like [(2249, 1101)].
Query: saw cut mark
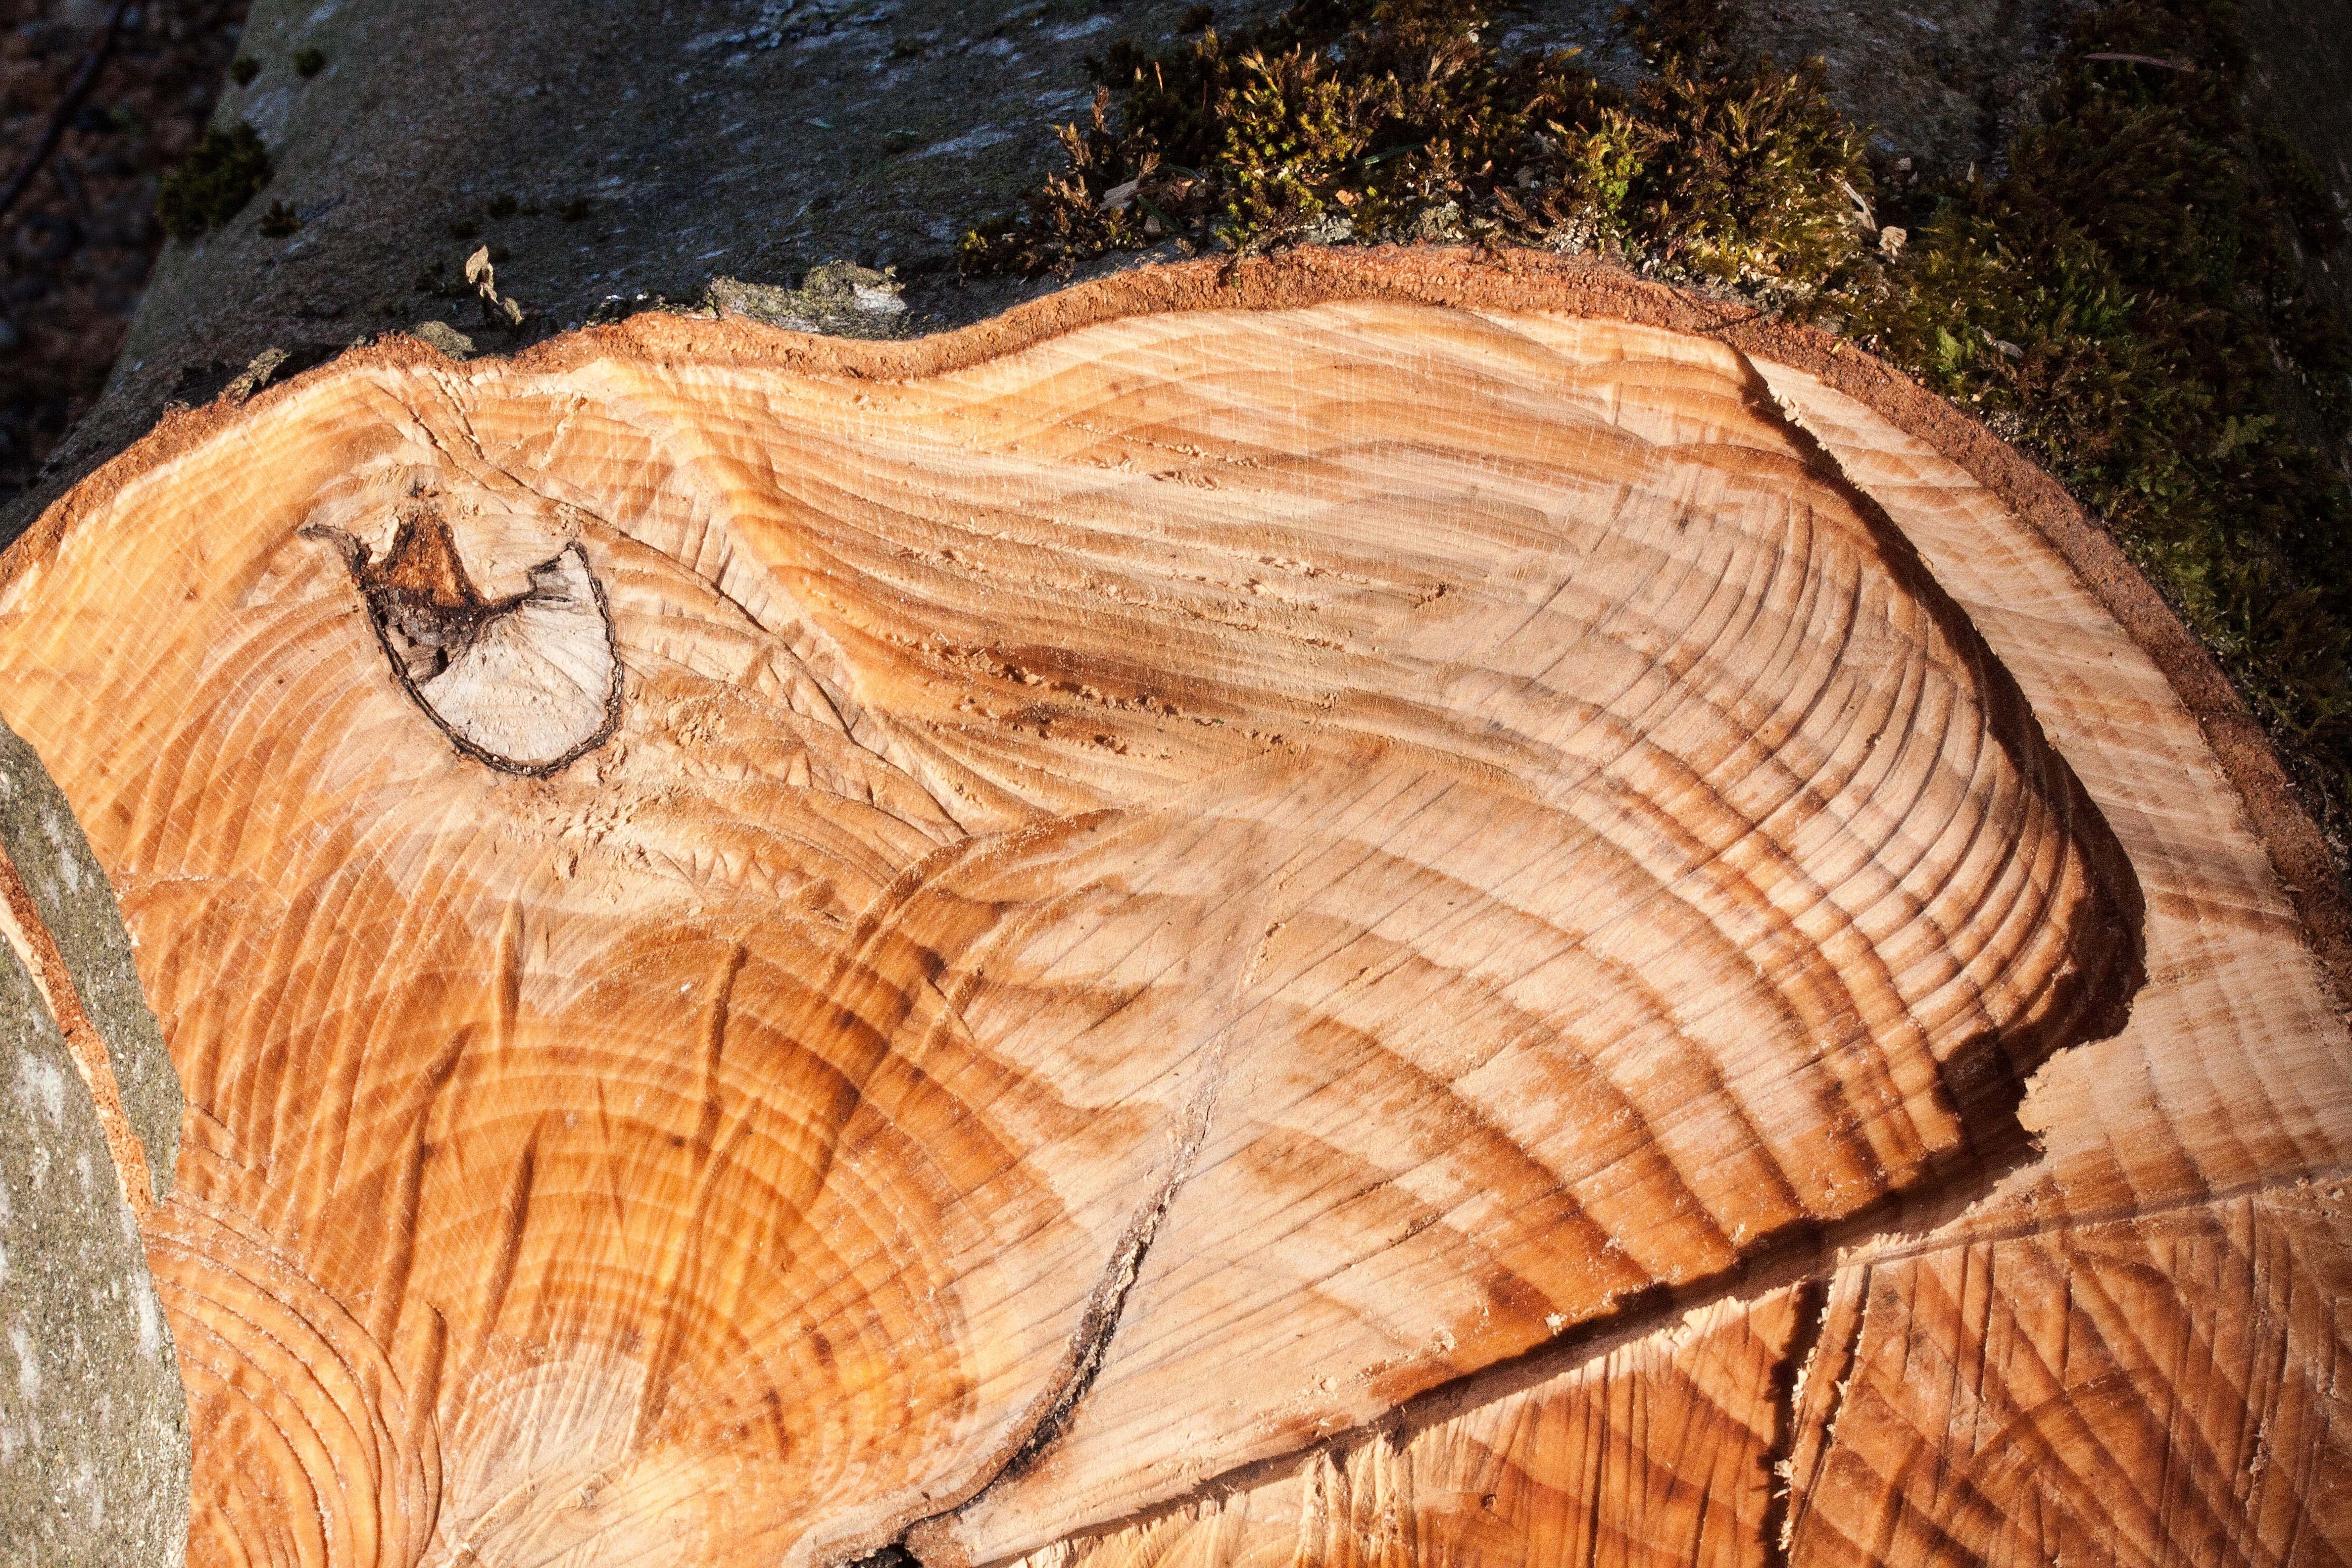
[(527, 684)]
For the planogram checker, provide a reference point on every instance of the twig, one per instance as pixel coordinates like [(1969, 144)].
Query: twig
[(84, 79), (2185, 68), (1861, 202)]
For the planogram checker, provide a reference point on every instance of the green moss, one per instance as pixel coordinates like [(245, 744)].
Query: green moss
[(1393, 121), (214, 182), (243, 69), (279, 222), (2128, 302), (310, 62)]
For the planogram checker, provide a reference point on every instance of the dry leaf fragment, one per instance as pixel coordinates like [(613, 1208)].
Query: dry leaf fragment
[(484, 278)]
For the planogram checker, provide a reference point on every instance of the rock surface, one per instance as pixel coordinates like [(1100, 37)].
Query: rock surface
[(1944, 82), (2303, 66)]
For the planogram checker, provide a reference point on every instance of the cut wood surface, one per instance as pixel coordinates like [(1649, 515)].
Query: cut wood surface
[(1658, 1451), (1351, 909)]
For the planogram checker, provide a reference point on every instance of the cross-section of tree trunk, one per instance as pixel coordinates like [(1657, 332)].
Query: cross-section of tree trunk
[(1337, 910)]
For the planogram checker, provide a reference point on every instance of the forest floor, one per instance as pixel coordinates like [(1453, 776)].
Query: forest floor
[(80, 242)]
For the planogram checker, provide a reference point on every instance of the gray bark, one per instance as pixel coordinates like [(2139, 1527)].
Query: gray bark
[(93, 1424), (75, 904)]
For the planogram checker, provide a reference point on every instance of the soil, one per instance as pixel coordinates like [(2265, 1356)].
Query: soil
[(76, 249)]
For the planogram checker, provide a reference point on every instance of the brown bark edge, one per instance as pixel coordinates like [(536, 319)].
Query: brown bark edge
[(1518, 280)]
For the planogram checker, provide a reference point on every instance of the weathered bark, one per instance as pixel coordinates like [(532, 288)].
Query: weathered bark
[(1366, 905), (93, 1430)]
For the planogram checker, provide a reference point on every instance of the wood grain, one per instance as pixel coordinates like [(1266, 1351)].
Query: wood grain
[(2233, 1072), (1156, 897), (2028, 1385), (2164, 1390), (1658, 1452)]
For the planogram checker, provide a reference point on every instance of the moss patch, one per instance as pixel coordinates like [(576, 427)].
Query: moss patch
[(213, 182), (1395, 121), (2128, 302)]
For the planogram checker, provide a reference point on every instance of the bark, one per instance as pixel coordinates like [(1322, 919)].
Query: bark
[(93, 1430)]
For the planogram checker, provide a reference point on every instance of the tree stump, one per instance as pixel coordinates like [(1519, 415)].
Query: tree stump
[(1353, 908)]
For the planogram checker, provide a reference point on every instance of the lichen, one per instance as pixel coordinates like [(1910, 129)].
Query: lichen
[(840, 298)]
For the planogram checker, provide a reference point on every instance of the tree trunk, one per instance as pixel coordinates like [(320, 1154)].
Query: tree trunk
[(1364, 906), (1356, 907), (93, 1429)]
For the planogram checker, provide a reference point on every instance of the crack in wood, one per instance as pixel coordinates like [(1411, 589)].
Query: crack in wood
[(1813, 1307), (1811, 1438), (1089, 1342)]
